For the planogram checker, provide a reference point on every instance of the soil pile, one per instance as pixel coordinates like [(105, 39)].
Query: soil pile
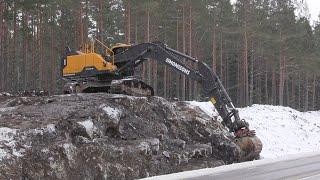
[(105, 136)]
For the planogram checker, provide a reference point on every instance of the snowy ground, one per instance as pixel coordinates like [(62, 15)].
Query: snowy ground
[(282, 130)]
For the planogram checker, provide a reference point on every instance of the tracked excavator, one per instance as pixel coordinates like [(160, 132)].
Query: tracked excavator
[(86, 71)]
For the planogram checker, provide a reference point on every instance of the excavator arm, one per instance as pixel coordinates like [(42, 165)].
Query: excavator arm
[(211, 84)]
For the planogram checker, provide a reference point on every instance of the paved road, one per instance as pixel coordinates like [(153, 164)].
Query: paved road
[(303, 166)]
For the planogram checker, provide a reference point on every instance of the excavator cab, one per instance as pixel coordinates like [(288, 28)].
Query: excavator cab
[(86, 62), (119, 48)]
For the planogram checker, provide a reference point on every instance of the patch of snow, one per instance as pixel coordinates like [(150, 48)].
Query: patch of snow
[(45, 150), (6, 109), (7, 134), (5, 94), (18, 153), (69, 150), (36, 131), (51, 128), (206, 107), (89, 126), (7, 141), (3, 154), (282, 130), (114, 113), (63, 95)]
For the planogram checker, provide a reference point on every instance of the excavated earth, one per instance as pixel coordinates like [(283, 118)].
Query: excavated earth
[(105, 136)]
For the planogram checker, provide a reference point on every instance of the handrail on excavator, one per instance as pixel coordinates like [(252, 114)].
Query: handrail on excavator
[(107, 49)]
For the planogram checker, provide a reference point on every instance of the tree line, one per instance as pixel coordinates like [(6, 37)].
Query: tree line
[(263, 50)]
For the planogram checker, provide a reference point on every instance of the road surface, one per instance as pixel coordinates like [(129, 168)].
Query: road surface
[(303, 166)]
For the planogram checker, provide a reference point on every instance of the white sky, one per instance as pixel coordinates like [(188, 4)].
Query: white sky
[(314, 8)]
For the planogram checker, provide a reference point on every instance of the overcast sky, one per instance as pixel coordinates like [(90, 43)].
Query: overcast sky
[(314, 8)]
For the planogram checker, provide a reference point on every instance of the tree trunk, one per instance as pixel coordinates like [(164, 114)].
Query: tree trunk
[(240, 82), (183, 86), (221, 58), (293, 91), (245, 71), (266, 93), (143, 69), (214, 46), (226, 67), (190, 51), (287, 92), (149, 63), (299, 91), (14, 70), (53, 65), (81, 24), (40, 46), (5, 53), (282, 72), (2, 58), (25, 51), (33, 63), (154, 70), (251, 77), (101, 20), (136, 41), (245, 57), (177, 47), (274, 87), (314, 92), (128, 24), (306, 93)]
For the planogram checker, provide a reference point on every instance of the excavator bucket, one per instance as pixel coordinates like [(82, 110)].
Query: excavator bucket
[(250, 147)]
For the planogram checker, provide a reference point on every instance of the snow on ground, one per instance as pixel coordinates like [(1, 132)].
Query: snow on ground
[(70, 150), (7, 140), (282, 130), (7, 109), (110, 111), (206, 107), (89, 126), (6, 134)]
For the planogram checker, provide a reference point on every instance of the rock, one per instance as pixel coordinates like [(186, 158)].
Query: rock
[(166, 154), (178, 143), (104, 136)]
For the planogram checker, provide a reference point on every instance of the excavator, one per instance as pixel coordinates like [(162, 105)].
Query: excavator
[(112, 71)]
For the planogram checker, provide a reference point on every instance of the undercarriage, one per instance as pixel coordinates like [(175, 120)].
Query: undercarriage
[(130, 86)]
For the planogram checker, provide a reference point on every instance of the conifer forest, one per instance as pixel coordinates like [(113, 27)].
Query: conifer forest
[(264, 51)]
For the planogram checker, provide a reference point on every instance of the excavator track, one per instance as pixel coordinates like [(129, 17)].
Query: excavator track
[(129, 86), (132, 87)]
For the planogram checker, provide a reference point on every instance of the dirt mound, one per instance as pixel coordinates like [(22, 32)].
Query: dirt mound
[(103, 136)]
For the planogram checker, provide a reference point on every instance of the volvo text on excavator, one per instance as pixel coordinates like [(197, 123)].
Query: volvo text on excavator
[(89, 72)]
